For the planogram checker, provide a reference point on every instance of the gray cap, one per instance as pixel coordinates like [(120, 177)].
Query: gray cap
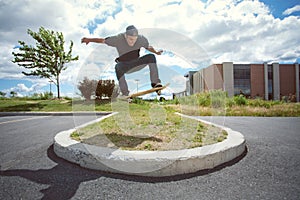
[(132, 31)]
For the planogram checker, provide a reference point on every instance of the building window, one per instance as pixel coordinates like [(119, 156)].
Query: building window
[(242, 79), (270, 81)]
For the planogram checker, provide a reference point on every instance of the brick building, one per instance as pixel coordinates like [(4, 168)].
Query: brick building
[(268, 81)]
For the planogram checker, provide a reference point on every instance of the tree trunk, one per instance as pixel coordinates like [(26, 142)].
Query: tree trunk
[(57, 86)]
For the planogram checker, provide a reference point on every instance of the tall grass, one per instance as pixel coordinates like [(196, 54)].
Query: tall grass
[(217, 102)]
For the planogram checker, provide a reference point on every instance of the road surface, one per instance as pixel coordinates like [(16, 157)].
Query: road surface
[(31, 170)]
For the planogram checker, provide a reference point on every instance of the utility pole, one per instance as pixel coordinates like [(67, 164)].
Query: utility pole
[(50, 86), (137, 85)]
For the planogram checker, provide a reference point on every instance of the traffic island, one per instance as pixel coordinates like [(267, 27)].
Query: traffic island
[(150, 163)]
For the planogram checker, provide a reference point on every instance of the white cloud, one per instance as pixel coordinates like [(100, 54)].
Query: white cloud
[(194, 31), (291, 10), (244, 36), (22, 90)]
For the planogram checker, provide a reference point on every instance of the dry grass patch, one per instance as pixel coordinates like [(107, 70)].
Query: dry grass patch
[(149, 127)]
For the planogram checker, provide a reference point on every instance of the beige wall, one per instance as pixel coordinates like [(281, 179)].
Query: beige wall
[(228, 78)]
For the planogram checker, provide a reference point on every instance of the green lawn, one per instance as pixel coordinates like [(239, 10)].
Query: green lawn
[(200, 104), (67, 105)]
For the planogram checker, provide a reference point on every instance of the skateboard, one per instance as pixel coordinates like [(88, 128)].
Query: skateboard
[(158, 89)]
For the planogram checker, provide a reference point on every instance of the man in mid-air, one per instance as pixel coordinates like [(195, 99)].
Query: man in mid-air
[(128, 45)]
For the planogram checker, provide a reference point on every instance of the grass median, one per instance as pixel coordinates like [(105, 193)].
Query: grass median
[(149, 126)]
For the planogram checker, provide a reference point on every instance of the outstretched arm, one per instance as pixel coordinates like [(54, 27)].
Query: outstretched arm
[(151, 49), (96, 40)]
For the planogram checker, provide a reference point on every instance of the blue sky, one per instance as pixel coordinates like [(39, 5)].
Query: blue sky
[(279, 6), (192, 33)]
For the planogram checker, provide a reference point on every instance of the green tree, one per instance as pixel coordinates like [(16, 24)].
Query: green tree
[(2, 94), (87, 88), (13, 94), (47, 59)]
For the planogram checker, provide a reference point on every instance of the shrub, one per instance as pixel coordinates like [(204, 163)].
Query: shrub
[(203, 99), (46, 95), (218, 98), (230, 102), (105, 88), (259, 103), (263, 103), (240, 100)]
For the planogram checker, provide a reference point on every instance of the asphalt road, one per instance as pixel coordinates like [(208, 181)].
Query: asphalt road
[(30, 169)]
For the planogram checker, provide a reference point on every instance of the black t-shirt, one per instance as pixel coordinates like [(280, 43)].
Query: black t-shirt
[(126, 52)]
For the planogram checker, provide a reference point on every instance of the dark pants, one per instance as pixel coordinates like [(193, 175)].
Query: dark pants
[(128, 67)]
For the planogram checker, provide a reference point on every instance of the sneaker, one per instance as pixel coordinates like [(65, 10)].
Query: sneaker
[(157, 85), (158, 92)]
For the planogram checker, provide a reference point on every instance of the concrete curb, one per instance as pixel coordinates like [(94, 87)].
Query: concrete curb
[(150, 163), (84, 113)]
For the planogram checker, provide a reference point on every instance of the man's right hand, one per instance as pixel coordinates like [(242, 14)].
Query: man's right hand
[(85, 40), (96, 40)]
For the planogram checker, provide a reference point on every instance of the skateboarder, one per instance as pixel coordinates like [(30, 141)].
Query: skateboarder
[(128, 45)]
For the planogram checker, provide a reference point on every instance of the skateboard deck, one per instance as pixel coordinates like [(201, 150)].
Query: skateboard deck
[(148, 91)]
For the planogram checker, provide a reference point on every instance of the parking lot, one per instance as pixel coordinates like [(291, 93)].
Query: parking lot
[(31, 170)]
